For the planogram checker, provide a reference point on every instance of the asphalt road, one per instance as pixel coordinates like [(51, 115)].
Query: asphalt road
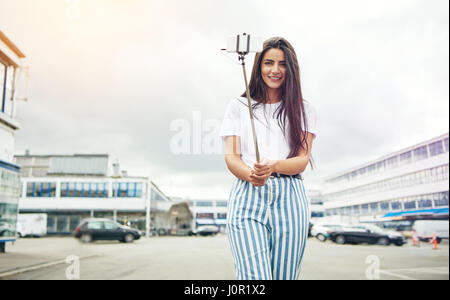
[(209, 258)]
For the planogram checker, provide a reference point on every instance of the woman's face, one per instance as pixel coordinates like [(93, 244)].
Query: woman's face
[(273, 68)]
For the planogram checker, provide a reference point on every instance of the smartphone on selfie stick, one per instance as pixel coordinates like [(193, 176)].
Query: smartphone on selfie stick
[(243, 44)]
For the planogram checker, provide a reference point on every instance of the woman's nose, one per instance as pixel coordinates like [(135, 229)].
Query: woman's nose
[(275, 69)]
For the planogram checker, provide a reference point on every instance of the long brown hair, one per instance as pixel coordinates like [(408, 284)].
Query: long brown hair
[(291, 106)]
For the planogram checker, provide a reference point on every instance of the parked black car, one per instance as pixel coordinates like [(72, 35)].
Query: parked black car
[(366, 233), (103, 229)]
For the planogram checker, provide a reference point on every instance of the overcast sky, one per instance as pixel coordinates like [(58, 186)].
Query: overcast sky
[(111, 76)]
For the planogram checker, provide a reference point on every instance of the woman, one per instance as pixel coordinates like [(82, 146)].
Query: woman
[(268, 210)]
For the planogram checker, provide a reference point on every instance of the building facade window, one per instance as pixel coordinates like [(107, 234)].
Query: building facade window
[(203, 203), (41, 189), (205, 215), (441, 199), (127, 189), (84, 190), (420, 153), (392, 162), (405, 158), (384, 206), (436, 148), (409, 204), (221, 216)]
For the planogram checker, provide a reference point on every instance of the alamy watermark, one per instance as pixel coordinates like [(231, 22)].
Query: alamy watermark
[(72, 9), (373, 270), (73, 270), (202, 136)]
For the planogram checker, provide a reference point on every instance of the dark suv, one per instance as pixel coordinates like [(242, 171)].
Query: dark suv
[(103, 229)]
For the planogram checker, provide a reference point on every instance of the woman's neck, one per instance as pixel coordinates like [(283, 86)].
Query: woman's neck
[(274, 95)]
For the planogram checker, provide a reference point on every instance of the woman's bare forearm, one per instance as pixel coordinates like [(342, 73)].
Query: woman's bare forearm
[(291, 166), (237, 166)]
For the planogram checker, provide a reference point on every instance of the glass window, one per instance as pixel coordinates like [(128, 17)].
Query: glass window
[(30, 189), (392, 162), (371, 168), (409, 204), (446, 145), (396, 205), (41, 189), (205, 215), (348, 211), (95, 225), (111, 226), (74, 222), (441, 199), (51, 224), (362, 171), (221, 216), (436, 148), (405, 158), (123, 189), (93, 190), (204, 203), (86, 188), (64, 189), (424, 202), (374, 207), (138, 189), (355, 209), (420, 153), (365, 208), (221, 203), (63, 223), (78, 189), (381, 166), (131, 192), (72, 189), (384, 206)]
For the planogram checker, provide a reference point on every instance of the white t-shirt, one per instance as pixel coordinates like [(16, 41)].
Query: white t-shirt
[(271, 141)]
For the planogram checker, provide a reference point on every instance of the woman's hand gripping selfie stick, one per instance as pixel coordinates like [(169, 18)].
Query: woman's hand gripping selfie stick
[(243, 45)]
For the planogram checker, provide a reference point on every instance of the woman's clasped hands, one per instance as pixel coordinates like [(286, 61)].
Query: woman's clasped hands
[(261, 171)]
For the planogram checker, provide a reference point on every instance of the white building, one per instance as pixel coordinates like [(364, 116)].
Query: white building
[(70, 188), (209, 212), (411, 183), (12, 65)]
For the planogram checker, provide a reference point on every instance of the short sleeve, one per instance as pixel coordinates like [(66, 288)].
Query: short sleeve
[(231, 124), (311, 118)]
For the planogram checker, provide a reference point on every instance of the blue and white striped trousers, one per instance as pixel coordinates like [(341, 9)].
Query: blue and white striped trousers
[(267, 228)]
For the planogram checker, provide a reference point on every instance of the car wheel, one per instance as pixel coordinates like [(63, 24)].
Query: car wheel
[(129, 238), (321, 237), (340, 239), (86, 238), (383, 241)]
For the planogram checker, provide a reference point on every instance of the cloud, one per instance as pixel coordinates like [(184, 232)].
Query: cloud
[(115, 78)]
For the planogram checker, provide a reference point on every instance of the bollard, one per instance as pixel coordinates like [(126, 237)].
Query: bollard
[(434, 241)]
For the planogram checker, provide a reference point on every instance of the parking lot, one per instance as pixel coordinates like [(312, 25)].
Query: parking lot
[(209, 258)]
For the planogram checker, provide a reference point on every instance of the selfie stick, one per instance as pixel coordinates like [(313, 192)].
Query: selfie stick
[(250, 108), (243, 48)]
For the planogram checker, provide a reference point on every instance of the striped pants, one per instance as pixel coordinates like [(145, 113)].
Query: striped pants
[(267, 228)]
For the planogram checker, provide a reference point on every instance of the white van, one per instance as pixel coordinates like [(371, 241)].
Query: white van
[(426, 228), (34, 225)]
